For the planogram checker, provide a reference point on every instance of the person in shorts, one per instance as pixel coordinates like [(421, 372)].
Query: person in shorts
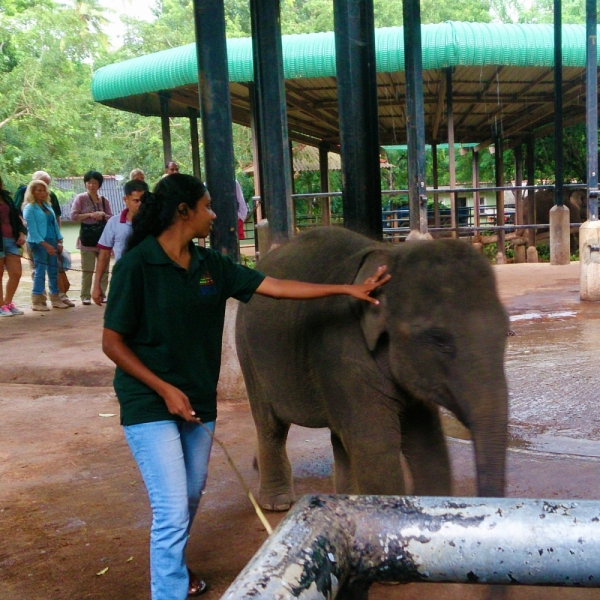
[(11, 242)]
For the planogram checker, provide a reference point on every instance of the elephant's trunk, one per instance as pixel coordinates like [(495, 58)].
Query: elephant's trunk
[(489, 430)]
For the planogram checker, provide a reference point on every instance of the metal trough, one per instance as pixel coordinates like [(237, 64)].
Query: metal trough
[(336, 546)]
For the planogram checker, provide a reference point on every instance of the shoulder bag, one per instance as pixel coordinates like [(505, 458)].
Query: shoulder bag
[(89, 234)]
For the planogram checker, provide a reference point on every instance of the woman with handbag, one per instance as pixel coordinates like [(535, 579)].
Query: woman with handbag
[(46, 242), (93, 211)]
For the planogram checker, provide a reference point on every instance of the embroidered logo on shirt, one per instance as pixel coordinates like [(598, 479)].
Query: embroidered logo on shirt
[(207, 285)]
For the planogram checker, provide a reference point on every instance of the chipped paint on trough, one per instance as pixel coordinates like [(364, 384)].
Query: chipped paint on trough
[(330, 545)]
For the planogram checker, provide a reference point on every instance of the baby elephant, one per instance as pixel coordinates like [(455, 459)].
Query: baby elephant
[(376, 375)]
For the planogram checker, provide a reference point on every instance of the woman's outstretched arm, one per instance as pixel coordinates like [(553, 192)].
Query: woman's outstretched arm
[(298, 290)]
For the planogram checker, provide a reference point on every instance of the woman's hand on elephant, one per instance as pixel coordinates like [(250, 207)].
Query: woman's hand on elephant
[(362, 290), (178, 403)]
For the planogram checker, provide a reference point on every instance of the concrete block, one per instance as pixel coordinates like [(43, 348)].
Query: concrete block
[(589, 260), (532, 254), (560, 232), (520, 254), (415, 235), (264, 236)]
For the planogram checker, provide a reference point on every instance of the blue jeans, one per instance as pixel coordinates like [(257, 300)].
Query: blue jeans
[(173, 460), (43, 262)]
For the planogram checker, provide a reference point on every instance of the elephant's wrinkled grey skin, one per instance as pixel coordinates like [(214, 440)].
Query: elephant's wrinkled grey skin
[(375, 375)]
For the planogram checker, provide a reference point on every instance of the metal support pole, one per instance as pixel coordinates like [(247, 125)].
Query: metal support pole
[(255, 134), (531, 212), (336, 546), (591, 107), (451, 153), (519, 212), (589, 232), (274, 149), (215, 104), (165, 127), (499, 163), (520, 251), (415, 119), (436, 185), (324, 180), (476, 197), (194, 142), (558, 106), (358, 115)]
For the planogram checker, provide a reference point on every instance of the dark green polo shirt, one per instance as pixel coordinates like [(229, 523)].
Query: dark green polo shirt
[(173, 321)]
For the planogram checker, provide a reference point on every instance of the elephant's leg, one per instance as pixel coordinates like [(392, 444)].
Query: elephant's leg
[(425, 450), (375, 455), (343, 479), (276, 490)]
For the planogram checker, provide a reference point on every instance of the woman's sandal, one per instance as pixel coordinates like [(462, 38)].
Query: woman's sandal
[(197, 586)]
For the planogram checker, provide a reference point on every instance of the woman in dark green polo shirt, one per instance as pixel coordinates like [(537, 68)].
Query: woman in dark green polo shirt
[(163, 329)]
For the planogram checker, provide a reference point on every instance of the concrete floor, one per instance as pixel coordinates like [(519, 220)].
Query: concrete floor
[(72, 503)]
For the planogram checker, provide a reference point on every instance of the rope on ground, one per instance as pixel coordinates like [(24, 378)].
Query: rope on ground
[(259, 512), (32, 260)]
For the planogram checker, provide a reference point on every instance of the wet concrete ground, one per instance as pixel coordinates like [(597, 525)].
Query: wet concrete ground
[(72, 503)]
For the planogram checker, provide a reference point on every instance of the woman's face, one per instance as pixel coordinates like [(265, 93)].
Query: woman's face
[(202, 217), (92, 186), (40, 193)]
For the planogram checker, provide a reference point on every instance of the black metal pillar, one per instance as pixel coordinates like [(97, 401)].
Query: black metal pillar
[(165, 127), (255, 133), (358, 115), (273, 146), (476, 197), (558, 106), (324, 180), (415, 116), (519, 212), (194, 142), (499, 164), (530, 212), (436, 185), (451, 153), (591, 105), (213, 77)]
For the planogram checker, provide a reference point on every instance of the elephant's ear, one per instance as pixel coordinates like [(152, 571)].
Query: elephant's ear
[(374, 318)]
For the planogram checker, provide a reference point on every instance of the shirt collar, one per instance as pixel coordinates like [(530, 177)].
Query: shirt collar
[(123, 217), (153, 253)]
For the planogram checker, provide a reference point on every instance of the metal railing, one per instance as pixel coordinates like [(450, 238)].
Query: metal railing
[(337, 546)]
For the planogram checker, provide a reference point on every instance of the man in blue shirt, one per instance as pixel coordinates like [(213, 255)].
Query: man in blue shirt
[(116, 233)]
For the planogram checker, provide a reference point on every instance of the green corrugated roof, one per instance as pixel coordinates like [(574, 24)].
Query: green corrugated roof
[(313, 55)]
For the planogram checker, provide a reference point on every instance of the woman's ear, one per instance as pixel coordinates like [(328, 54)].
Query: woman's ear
[(183, 209)]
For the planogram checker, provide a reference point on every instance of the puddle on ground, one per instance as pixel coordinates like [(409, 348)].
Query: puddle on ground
[(529, 316), (521, 439)]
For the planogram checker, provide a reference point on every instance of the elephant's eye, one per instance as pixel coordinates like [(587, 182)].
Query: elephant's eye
[(442, 340)]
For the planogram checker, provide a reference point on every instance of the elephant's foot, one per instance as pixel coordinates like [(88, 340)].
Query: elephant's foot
[(278, 502)]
